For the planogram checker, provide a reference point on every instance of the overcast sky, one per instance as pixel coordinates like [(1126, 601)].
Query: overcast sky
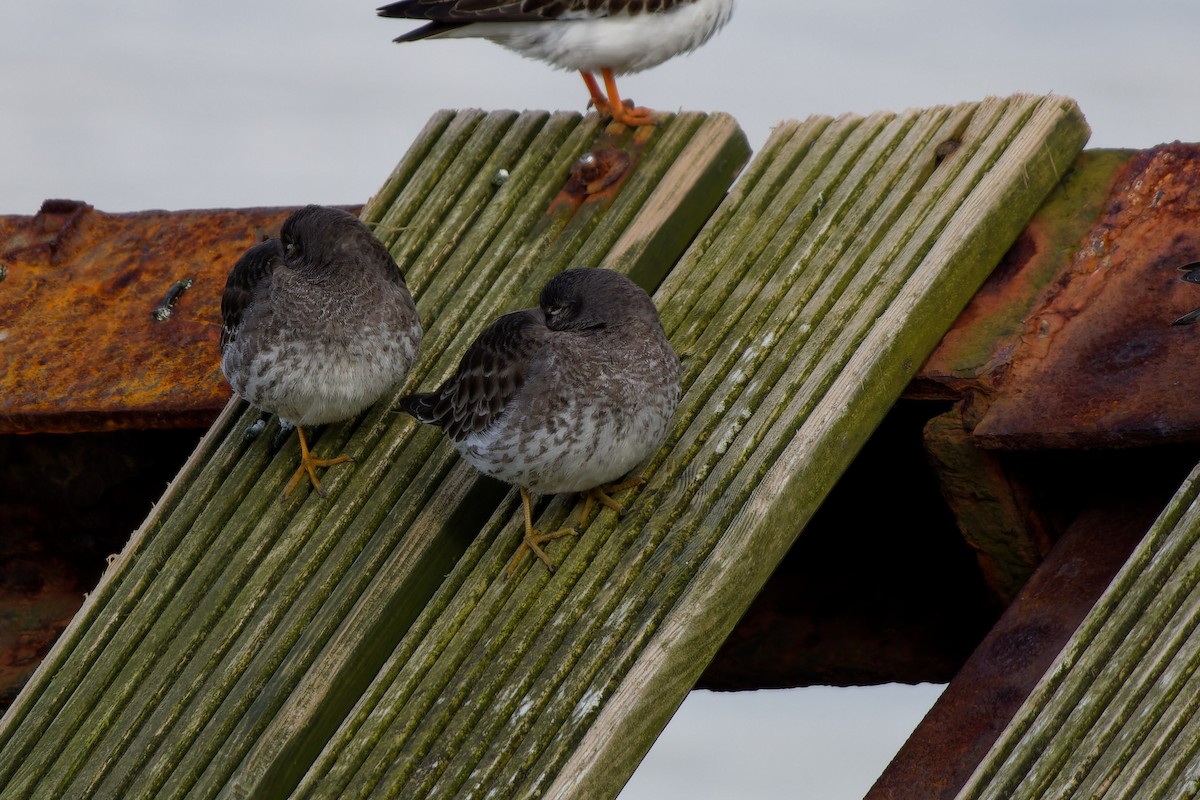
[(137, 104)]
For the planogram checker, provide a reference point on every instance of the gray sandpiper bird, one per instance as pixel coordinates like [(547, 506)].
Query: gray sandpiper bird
[(566, 397), (609, 37), (318, 325)]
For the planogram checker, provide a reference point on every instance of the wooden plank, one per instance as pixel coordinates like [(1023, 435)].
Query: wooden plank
[(801, 311), (1116, 713), (972, 712), (909, 280), (238, 626)]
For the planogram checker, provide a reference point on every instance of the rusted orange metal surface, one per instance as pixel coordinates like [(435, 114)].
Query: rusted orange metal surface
[(1084, 356), (1068, 347), (111, 321), (973, 711), (598, 176)]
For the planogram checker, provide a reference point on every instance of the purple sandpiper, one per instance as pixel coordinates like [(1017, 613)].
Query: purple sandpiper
[(318, 325), (611, 37), (566, 397)]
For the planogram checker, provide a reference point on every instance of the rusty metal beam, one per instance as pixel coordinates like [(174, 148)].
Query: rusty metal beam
[(996, 515), (957, 732), (1069, 344), (111, 321)]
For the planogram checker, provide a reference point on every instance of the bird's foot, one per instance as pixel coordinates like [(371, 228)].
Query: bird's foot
[(309, 462), (634, 116), (627, 113), (602, 495), (308, 466), (532, 542), (621, 111), (534, 539)]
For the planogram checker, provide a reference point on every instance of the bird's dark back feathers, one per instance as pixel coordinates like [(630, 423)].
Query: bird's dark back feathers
[(489, 375), (445, 15), (253, 269), (315, 241), (495, 366), (319, 240), (452, 13)]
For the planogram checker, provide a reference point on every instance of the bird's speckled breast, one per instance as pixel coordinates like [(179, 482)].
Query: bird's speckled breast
[(594, 419), (315, 356)]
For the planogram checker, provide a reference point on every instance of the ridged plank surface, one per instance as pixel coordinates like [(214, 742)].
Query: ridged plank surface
[(1115, 716), (236, 630), (843, 254)]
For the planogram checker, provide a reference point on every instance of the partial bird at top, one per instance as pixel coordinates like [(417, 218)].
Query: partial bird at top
[(609, 37)]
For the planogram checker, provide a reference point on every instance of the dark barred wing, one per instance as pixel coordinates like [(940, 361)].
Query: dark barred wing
[(491, 372), (445, 14), (250, 272)]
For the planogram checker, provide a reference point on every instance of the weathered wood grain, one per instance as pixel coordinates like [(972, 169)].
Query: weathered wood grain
[(369, 644), (236, 626), (801, 310), (1116, 714)]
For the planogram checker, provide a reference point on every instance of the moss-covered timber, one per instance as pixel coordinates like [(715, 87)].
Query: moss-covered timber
[(1116, 716), (369, 644), (801, 310), (238, 627)]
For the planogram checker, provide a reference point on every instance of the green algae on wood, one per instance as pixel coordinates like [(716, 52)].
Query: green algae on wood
[(801, 310), (235, 627), (253, 630), (904, 294), (1116, 714)]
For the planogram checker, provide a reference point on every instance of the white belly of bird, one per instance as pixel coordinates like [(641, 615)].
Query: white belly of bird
[(316, 387), (622, 44), (576, 452)]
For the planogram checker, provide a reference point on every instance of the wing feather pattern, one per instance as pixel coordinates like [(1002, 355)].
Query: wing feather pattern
[(250, 276), (489, 376)]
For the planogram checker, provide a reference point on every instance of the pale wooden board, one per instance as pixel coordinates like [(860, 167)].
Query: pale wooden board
[(848, 363), (237, 627), (802, 309), (1116, 714)]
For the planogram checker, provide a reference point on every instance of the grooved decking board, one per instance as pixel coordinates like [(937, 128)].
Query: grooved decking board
[(802, 309), (1115, 716), (236, 627)]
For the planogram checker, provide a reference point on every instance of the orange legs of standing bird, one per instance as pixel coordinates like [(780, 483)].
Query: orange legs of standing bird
[(612, 104), (308, 464)]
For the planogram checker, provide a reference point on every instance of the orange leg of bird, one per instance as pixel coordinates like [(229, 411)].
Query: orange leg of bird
[(308, 465), (534, 538), (633, 116), (601, 495), (598, 98)]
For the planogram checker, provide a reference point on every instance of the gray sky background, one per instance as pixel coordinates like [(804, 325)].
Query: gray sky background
[(137, 104)]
